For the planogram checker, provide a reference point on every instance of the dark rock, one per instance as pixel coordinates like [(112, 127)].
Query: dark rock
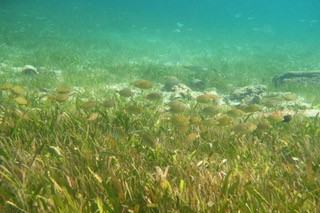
[(29, 70), (287, 118), (297, 76)]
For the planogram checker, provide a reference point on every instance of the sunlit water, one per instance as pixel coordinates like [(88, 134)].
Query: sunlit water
[(166, 31)]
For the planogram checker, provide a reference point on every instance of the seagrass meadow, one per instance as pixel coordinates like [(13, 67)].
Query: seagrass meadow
[(140, 107), (92, 148)]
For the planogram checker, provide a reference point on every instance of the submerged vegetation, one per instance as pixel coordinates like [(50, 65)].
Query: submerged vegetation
[(128, 149), (93, 130)]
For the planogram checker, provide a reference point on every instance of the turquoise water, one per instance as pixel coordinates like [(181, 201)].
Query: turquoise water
[(169, 32), (143, 106)]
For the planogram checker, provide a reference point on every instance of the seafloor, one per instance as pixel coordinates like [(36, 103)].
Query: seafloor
[(129, 117)]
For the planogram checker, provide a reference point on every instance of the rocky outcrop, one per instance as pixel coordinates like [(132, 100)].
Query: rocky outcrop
[(252, 91)]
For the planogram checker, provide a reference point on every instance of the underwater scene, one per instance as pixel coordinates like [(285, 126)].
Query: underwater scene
[(159, 106)]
